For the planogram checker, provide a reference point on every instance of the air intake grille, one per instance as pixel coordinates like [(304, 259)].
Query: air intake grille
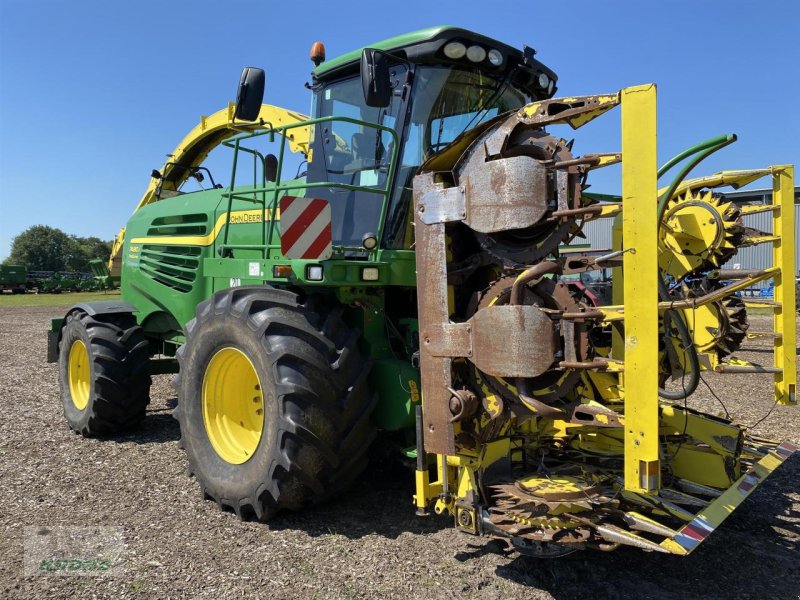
[(173, 266), (193, 224)]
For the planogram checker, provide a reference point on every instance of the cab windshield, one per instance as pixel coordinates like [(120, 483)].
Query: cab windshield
[(448, 102), (444, 103)]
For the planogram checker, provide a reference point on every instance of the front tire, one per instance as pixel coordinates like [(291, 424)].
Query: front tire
[(273, 401), (103, 372)]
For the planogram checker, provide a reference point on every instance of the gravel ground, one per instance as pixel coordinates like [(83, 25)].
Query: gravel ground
[(368, 544)]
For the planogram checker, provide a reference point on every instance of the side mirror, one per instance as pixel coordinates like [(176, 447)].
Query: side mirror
[(250, 94), (375, 78), (271, 167)]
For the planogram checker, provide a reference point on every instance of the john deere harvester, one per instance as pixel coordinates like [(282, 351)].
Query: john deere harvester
[(410, 281)]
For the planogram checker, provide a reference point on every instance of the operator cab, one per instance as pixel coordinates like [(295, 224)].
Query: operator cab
[(399, 103)]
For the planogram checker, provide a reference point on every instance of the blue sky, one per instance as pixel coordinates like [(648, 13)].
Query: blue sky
[(93, 94)]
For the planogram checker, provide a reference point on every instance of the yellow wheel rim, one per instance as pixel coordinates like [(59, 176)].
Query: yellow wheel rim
[(79, 374), (233, 405)]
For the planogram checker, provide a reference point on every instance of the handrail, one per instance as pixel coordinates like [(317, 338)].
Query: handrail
[(195, 147), (276, 189)]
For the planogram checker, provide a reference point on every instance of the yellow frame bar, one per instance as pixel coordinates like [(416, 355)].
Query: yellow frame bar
[(783, 228), (706, 521), (617, 286), (640, 290)]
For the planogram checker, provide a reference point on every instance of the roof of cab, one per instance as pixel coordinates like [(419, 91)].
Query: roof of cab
[(416, 43)]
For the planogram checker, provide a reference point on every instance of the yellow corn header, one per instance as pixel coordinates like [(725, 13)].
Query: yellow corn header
[(584, 452)]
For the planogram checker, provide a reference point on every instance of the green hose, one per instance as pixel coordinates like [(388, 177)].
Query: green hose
[(705, 149), (715, 141), (702, 150)]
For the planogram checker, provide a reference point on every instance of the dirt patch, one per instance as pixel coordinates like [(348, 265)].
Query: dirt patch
[(367, 544)]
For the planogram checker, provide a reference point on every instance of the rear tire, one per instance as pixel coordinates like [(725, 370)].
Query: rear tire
[(311, 438), (103, 372)]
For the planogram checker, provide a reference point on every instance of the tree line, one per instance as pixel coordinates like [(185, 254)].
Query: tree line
[(43, 248)]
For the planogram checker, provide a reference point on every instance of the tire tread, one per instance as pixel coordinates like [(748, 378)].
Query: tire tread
[(320, 381)]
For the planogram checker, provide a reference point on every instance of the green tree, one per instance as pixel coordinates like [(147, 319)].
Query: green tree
[(43, 248), (89, 249)]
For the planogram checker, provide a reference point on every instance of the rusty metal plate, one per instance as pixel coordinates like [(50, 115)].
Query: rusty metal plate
[(434, 324), (441, 206), (447, 339), (513, 341), (509, 193)]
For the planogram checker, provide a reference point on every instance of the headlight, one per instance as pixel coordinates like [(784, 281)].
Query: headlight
[(369, 241), (476, 53), (550, 87), (495, 57), (370, 274), (314, 272), (455, 50), (543, 80)]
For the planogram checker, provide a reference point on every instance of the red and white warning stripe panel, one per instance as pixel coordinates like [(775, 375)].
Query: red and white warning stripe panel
[(306, 228)]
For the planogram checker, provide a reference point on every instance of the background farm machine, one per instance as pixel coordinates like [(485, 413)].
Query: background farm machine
[(411, 281), (13, 278)]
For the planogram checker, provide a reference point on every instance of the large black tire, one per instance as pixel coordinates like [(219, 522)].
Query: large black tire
[(117, 377), (316, 400)]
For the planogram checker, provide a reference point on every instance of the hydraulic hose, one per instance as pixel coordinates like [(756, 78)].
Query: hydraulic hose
[(704, 145), (688, 343), (702, 150)]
